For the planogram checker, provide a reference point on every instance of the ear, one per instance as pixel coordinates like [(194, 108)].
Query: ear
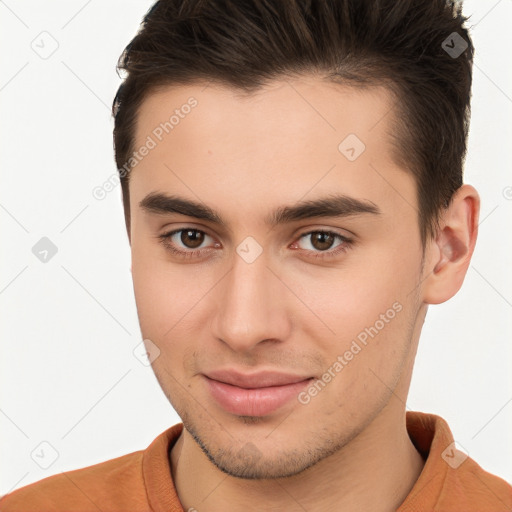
[(447, 257)]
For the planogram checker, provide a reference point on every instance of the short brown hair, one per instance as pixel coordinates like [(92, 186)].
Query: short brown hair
[(245, 44)]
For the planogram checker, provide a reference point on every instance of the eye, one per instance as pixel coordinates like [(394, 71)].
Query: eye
[(186, 243), (321, 242), (189, 238)]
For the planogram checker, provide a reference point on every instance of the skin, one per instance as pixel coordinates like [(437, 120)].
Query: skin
[(244, 156)]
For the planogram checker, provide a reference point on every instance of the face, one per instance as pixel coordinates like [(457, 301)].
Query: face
[(276, 325)]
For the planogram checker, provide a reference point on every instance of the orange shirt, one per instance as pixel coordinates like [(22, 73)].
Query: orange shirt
[(141, 481)]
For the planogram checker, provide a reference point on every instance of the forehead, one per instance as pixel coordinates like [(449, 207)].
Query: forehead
[(290, 109), (294, 137)]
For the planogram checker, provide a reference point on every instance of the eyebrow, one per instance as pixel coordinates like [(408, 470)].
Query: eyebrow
[(334, 205)]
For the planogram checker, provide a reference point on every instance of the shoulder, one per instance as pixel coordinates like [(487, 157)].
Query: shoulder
[(105, 486), (451, 481), (478, 487), (130, 482)]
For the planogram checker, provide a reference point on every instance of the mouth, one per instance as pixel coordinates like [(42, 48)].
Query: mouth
[(257, 394)]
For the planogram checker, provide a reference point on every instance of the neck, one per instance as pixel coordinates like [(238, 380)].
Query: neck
[(375, 471)]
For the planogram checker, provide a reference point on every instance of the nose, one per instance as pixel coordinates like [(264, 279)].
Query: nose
[(251, 305)]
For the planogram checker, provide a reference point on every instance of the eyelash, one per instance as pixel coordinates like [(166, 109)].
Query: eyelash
[(196, 253)]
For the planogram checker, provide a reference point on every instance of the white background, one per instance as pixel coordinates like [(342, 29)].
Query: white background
[(69, 326)]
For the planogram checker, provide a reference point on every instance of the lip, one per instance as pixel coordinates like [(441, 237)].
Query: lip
[(256, 394)]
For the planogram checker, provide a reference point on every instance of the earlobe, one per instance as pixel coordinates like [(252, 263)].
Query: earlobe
[(450, 253)]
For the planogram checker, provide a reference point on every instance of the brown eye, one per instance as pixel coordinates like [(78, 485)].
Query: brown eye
[(320, 244), (322, 240), (186, 242), (191, 238)]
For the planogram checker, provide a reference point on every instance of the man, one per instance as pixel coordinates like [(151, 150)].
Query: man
[(292, 185)]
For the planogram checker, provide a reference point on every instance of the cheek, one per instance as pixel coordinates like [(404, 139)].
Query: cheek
[(171, 299), (152, 298), (371, 309), (365, 364), (160, 289), (162, 311), (351, 300), (156, 294)]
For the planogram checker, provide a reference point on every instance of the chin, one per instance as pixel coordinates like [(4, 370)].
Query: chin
[(253, 462)]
